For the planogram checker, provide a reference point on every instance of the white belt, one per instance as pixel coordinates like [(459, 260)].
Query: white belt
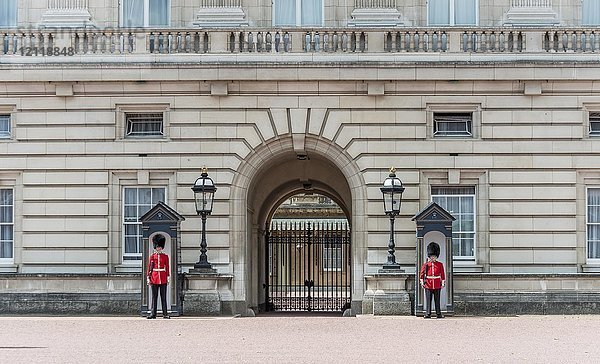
[(159, 269), (434, 276)]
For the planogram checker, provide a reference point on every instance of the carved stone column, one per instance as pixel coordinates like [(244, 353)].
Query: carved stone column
[(530, 13), (67, 14), (221, 13), (373, 13)]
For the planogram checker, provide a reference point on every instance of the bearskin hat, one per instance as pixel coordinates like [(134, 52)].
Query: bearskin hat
[(159, 241), (433, 249)]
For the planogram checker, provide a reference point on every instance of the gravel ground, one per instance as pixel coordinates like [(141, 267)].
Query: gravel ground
[(300, 339)]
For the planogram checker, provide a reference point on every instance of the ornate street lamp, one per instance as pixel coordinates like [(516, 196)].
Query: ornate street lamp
[(204, 194), (392, 199)]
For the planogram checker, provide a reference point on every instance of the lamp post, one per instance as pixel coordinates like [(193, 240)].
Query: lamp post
[(204, 194), (392, 199)]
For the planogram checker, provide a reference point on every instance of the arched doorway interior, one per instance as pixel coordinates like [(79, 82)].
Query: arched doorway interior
[(308, 255)]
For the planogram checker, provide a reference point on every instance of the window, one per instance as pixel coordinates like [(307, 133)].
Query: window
[(452, 12), (4, 126), (144, 124), (6, 224), (460, 202), (594, 118), (136, 202), (145, 13), (593, 224), (452, 124), (8, 13), (298, 12), (332, 256), (590, 14)]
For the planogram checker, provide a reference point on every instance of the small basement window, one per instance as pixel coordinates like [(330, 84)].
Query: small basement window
[(595, 124), (140, 125), (4, 126), (452, 124)]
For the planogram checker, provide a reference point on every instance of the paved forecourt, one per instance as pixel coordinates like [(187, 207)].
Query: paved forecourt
[(299, 339)]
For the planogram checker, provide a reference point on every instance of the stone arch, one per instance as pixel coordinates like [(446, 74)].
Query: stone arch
[(257, 189)]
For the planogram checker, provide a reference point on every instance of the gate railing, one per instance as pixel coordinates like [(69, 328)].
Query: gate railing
[(309, 266)]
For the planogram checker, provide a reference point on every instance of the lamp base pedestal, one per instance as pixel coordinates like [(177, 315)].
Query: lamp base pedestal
[(386, 293), (203, 269), (391, 268)]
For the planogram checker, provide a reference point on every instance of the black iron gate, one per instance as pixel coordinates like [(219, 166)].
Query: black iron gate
[(309, 266)]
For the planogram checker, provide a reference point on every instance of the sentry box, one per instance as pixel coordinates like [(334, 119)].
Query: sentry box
[(434, 224), (162, 219)]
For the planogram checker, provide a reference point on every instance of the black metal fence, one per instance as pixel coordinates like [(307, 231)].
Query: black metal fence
[(309, 266)]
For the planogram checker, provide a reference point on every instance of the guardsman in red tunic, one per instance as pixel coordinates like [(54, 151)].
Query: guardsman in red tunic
[(432, 277), (158, 275)]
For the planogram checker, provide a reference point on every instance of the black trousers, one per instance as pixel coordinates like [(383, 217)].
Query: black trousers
[(162, 288), (436, 298)]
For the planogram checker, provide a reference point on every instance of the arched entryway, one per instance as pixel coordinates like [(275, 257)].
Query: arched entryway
[(308, 256), (273, 173)]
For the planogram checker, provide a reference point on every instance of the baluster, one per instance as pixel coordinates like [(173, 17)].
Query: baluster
[(353, 42), (206, 47), (335, 44), (241, 42), (492, 42), (188, 42), (231, 45), (407, 42), (287, 46), (583, 41), (388, 42), (444, 42), (259, 42), (565, 41), (268, 42), (102, 45), (277, 42), (465, 41), (251, 42), (326, 42), (592, 41), (483, 42), (363, 41), (317, 42), (521, 42), (416, 42), (435, 38), (574, 43), (307, 42), (425, 42), (344, 42), (547, 41)]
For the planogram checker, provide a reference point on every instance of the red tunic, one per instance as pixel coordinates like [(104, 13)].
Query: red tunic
[(435, 274), (158, 268)]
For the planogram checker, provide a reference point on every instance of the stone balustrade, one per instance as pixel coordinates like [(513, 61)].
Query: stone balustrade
[(375, 4), (221, 3), (323, 40), (531, 3), (68, 4)]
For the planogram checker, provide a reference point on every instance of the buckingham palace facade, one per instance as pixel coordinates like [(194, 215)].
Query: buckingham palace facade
[(491, 109)]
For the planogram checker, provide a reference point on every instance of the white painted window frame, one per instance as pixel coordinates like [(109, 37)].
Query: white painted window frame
[(12, 258), (587, 223), (470, 258), (451, 20), (124, 223), (298, 15), (146, 13)]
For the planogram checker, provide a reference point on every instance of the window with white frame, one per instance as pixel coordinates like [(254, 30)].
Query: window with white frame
[(144, 125), (4, 126), (6, 224), (452, 124), (452, 12), (298, 12), (8, 13), (145, 13), (136, 202), (593, 224), (460, 202), (594, 122), (590, 14), (332, 255)]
